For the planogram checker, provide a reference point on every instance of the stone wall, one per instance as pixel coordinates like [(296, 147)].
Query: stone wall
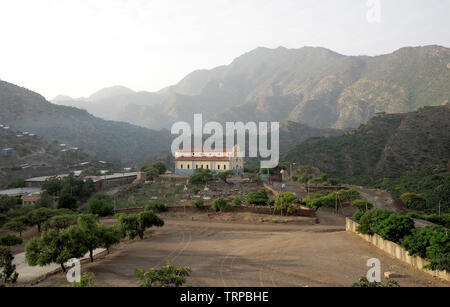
[(396, 251)]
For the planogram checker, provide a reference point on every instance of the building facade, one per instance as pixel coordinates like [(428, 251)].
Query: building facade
[(187, 162)]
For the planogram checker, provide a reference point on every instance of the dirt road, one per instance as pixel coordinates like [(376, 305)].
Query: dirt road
[(249, 253)]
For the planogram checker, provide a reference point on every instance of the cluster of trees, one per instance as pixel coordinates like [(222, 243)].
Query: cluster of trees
[(23, 218), (329, 199), (154, 170), (432, 243), (201, 176), (71, 190), (259, 198), (59, 245)]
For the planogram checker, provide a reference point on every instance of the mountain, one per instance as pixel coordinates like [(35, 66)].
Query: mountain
[(116, 142), (25, 155), (412, 150), (312, 86)]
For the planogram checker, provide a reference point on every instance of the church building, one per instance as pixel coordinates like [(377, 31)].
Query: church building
[(186, 162)]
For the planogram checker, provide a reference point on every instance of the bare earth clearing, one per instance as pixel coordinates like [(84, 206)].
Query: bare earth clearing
[(231, 250)]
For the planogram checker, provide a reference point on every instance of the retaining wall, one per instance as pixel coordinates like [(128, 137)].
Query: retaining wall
[(396, 251)]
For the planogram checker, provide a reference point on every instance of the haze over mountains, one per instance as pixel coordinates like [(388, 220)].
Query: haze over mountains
[(312, 86)]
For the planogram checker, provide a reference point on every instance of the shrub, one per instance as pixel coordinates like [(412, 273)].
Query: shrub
[(237, 201), (357, 216), (220, 204), (100, 205), (156, 206), (258, 198), (369, 222), (87, 280), (395, 227), (198, 204), (362, 205), (167, 276), (67, 201), (364, 283)]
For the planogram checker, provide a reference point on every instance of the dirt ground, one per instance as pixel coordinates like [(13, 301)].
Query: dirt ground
[(251, 250)]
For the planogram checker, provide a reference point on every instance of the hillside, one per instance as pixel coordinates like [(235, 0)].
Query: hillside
[(116, 142), (30, 155), (313, 86), (408, 149)]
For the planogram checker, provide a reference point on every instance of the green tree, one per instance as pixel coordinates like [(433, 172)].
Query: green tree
[(62, 221), (8, 272), (101, 205), (224, 176), (156, 206), (167, 276), (55, 247), (39, 216), (110, 236), (7, 203), (66, 201), (52, 185), (18, 224), (220, 204), (283, 202), (10, 240), (161, 167), (258, 198), (91, 232), (201, 176), (19, 183), (362, 205), (133, 225)]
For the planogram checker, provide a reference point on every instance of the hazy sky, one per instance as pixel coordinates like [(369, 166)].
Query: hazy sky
[(75, 47)]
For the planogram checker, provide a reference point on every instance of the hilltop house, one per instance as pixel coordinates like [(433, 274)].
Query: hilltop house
[(186, 162)]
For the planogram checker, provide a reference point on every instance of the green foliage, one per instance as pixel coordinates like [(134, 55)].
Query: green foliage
[(55, 246), (7, 203), (109, 236), (284, 201), (321, 179), (237, 201), (52, 185), (198, 204), (195, 191), (201, 176), (224, 175), (304, 173), (364, 283), (100, 205), (412, 200), (362, 205), (258, 198), (87, 280), (39, 216), (18, 224), (62, 221), (3, 219), (388, 225), (19, 183), (155, 169), (133, 225), (167, 276), (8, 272), (10, 240), (357, 216), (91, 232), (329, 199), (220, 204), (67, 201), (156, 206)]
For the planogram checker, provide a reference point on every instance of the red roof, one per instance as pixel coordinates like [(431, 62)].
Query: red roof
[(203, 159)]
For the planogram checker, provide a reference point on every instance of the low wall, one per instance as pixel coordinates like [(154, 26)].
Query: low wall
[(396, 251), (300, 211)]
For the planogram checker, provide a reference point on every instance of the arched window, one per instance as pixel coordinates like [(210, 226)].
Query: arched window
[(196, 166), (189, 166), (207, 167), (181, 166), (224, 167), (218, 166)]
